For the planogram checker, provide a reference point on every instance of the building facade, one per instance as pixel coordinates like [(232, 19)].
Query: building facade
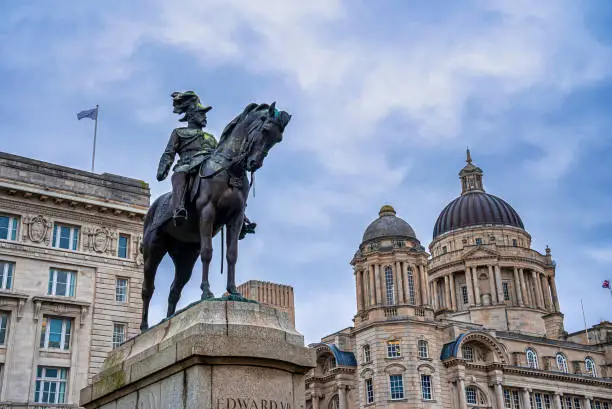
[(472, 323), (279, 296), (70, 277)]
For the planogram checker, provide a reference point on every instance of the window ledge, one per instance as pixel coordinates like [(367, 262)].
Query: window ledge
[(394, 358), (429, 400), (13, 299), (60, 305), (397, 400), (426, 359)]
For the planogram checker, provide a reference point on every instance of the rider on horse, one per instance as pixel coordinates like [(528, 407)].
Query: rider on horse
[(194, 146)]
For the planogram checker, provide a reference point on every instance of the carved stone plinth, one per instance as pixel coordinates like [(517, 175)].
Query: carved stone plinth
[(213, 354)]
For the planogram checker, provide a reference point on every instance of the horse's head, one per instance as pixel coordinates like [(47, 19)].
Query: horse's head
[(265, 132)]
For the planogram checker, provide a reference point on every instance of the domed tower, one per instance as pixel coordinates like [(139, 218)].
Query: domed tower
[(483, 269), (390, 270)]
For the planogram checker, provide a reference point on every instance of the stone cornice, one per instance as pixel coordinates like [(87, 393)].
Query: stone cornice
[(459, 264), (28, 191), (13, 299), (60, 305), (68, 257), (68, 211)]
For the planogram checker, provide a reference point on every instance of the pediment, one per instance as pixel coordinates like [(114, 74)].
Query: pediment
[(480, 252)]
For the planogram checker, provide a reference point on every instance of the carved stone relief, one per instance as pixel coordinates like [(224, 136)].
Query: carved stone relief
[(37, 228)]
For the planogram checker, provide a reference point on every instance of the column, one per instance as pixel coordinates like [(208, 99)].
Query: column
[(493, 292), (553, 290), (538, 291), (426, 293), (545, 292), (557, 399), (358, 280), (447, 302), (476, 289), (499, 395), (436, 300), (587, 402), (498, 280), (315, 399), (453, 297), (401, 284), (517, 286), (341, 397), (379, 299), (462, 397), (372, 285), (526, 299), (468, 283), (526, 400)]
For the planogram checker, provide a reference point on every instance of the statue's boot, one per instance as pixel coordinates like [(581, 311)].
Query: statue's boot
[(179, 186)]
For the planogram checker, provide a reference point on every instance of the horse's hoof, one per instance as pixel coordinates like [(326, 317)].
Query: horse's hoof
[(233, 291), (144, 327), (207, 295)]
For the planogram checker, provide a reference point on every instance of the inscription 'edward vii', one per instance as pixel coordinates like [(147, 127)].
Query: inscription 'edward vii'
[(248, 403)]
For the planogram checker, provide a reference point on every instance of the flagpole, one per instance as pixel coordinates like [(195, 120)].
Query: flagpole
[(585, 323), (93, 156)]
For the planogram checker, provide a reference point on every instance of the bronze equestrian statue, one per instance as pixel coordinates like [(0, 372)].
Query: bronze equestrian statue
[(215, 196)]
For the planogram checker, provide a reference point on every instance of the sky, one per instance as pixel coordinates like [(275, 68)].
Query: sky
[(384, 96)]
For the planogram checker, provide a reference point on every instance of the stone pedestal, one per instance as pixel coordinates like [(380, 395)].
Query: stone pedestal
[(212, 355)]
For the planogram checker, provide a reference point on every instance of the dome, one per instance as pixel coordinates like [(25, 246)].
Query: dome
[(473, 209), (388, 225)]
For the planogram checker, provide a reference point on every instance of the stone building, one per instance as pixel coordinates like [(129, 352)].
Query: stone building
[(70, 276), (473, 322), (279, 296)]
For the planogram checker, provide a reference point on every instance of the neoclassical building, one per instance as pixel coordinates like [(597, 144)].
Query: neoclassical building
[(472, 323), (70, 277)]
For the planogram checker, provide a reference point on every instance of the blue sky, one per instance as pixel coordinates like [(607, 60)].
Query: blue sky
[(385, 98)]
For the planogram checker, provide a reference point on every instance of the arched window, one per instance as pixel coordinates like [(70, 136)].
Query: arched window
[(423, 349), (389, 285), (366, 354), (591, 369), (468, 353), (562, 362), (411, 286), (532, 358), (475, 396), (334, 402)]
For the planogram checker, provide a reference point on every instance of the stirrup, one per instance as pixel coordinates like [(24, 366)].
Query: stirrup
[(179, 216)]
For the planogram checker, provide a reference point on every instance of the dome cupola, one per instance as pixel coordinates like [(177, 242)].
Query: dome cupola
[(475, 207), (388, 225)]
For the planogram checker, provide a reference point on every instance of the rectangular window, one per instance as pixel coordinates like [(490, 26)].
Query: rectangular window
[(538, 400), (396, 386), (389, 286), (597, 404), (411, 287), (478, 241), (6, 275), (8, 227), (55, 333), (119, 331), (464, 294), (422, 347), (124, 243), (65, 237), (50, 385), (568, 402), (511, 399), (514, 243), (606, 406), (426, 387), (3, 324), (547, 402), (506, 290), (369, 390), (444, 250), (61, 282), (393, 349), (468, 353), (121, 290), (577, 403)]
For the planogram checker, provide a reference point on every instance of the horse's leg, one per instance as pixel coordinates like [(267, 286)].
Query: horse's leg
[(207, 220), (184, 256), (233, 233), (153, 253)]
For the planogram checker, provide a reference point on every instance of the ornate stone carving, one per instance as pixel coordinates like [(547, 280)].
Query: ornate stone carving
[(139, 256), (38, 228), (100, 239)]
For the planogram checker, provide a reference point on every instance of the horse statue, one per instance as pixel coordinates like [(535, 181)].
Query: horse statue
[(217, 197)]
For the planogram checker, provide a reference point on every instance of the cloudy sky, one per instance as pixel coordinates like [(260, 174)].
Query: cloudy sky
[(385, 97)]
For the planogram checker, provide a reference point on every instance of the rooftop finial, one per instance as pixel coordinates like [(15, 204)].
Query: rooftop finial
[(469, 156)]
